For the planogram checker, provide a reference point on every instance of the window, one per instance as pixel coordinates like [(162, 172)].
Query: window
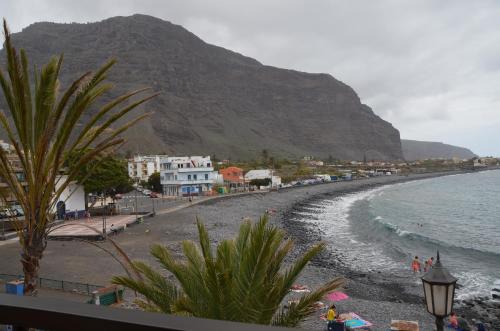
[(189, 177), (195, 177), (188, 165), (206, 176), (208, 164)]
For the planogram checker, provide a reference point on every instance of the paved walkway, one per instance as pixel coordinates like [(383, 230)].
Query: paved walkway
[(92, 227)]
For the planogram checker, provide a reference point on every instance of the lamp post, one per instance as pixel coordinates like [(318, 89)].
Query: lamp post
[(153, 201), (135, 191), (439, 292), (103, 216)]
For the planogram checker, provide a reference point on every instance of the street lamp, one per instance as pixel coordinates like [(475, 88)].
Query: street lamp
[(103, 209), (439, 292), (136, 186), (153, 201)]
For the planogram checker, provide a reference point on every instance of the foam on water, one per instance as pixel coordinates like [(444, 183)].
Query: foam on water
[(332, 218), (383, 228)]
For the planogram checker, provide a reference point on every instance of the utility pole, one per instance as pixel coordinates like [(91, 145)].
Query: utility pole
[(136, 184), (153, 201), (103, 216)]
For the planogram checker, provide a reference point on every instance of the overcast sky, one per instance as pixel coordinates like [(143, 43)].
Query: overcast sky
[(431, 68)]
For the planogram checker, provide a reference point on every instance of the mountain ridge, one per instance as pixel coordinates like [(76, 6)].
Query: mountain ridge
[(421, 150), (213, 100)]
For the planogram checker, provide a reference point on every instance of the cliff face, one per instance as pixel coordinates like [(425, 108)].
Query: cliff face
[(215, 101), (421, 150)]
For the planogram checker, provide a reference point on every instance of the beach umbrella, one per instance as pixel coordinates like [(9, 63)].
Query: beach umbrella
[(336, 296)]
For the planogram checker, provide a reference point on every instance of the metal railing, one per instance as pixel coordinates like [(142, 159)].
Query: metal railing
[(55, 284), (52, 314)]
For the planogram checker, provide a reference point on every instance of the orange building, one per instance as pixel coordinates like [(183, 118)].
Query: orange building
[(233, 176)]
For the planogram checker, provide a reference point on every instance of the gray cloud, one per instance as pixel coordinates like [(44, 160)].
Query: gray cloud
[(429, 67)]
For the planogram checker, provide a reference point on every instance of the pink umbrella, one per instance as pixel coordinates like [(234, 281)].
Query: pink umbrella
[(336, 296)]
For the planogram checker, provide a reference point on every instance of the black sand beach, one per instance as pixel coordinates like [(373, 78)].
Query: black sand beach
[(378, 297)]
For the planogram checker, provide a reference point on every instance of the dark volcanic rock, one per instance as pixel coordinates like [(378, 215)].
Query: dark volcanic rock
[(215, 101), (421, 150)]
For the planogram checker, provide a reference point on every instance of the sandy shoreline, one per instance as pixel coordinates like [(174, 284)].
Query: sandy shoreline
[(375, 296)]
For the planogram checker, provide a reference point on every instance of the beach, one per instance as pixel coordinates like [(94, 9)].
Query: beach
[(378, 296)]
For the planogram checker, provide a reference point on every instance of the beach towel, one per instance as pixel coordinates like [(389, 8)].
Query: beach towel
[(336, 296), (398, 325), (356, 322), (299, 288)]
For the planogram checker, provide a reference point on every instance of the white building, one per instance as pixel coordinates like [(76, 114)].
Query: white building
[(143, 166), (71, 202), (263, 174), (5, 146), (187, 175)]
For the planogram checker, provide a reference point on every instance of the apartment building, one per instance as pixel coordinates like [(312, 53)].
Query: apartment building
[(187, 175), (143, 166)]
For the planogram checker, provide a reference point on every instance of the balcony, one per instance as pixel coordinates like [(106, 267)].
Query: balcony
[(187, 182), (54, 315), (196, 169), (192, 169)]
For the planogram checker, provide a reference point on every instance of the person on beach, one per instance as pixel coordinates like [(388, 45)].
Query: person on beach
[(428, 264), (453, 321), (463, 325), (330, 316), (416, 265), (479, 325)]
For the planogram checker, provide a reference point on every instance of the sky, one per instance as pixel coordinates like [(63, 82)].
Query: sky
[(431, 68)]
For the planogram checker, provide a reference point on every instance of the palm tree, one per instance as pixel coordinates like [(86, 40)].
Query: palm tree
[(40, 125), (244, 280)]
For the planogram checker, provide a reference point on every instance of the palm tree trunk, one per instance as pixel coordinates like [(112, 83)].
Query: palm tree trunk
[(30, 259)]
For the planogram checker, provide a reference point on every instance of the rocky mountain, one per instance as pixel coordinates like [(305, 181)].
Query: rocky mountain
[(213, 100), (421, 150)]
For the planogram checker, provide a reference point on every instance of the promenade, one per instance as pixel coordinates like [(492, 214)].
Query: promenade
[(93, 226)]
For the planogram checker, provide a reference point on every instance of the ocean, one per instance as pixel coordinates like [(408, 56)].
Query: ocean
[(382, 229)]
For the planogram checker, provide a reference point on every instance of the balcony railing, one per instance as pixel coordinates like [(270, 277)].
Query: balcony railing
[(187, 182), (191, 169), (54, 315)]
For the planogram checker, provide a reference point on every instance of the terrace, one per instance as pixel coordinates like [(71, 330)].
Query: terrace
[(52, 314)]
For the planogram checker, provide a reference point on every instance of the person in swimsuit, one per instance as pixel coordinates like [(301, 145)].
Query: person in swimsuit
[(416, 266)]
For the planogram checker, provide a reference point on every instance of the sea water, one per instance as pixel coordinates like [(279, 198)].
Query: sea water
[(384, 228)]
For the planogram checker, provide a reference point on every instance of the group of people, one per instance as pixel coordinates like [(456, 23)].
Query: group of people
[(416, 265), (459, 323)]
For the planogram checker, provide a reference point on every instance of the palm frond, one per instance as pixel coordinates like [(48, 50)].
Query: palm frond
[(40, 125), (305, 307), (243, 281)]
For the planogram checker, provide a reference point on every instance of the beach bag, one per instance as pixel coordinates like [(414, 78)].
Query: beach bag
[(336, 326)]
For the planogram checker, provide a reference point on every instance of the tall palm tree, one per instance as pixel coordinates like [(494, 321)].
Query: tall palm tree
[(40, 125), (244, 280)]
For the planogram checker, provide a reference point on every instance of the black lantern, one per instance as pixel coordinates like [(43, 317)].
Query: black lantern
[(439, 292)]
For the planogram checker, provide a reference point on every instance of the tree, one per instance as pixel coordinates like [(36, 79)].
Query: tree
[(260, 182), (106, 175), (154, 182), (244, 279), (40, 123)]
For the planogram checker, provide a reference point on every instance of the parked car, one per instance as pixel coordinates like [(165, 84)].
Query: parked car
[(153, 195), (7, 212), (118, 196), (146, 192), (18, 210)]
